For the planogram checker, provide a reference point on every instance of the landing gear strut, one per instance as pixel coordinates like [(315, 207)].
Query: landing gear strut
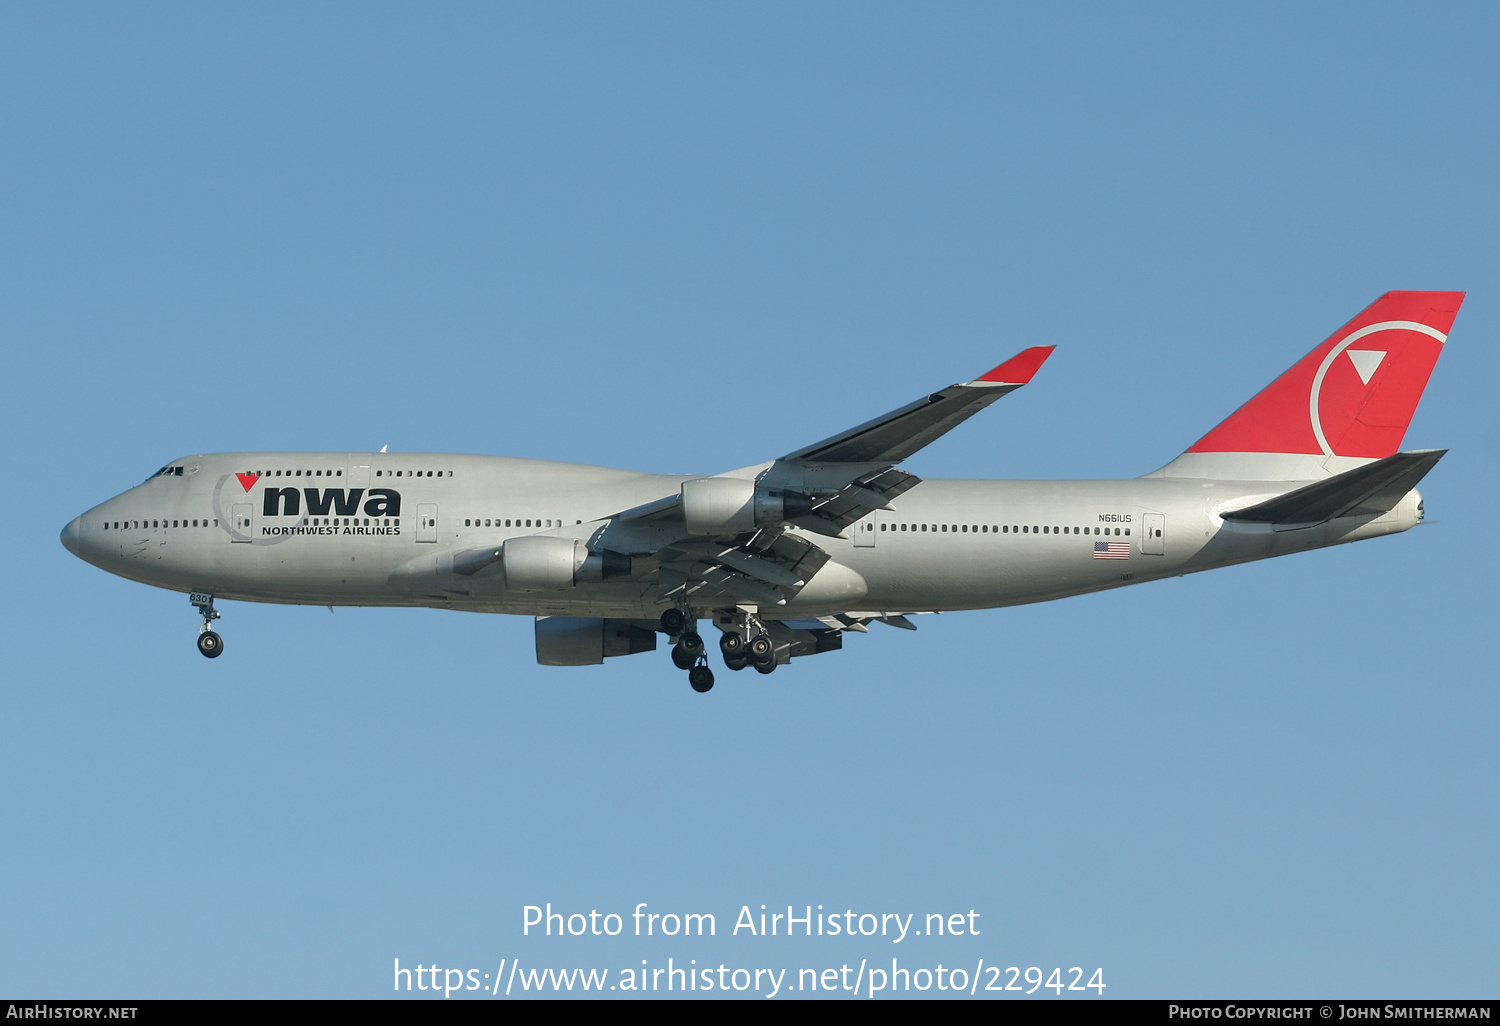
[(209, 642), (687, 650)]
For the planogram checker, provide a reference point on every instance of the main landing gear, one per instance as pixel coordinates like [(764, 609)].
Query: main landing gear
[(759, 651), (688, 649), (745, 642), (762, 653), (209, 642), (701, 678)]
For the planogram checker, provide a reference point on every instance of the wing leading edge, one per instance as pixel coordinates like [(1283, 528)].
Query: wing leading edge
[(900, 433)]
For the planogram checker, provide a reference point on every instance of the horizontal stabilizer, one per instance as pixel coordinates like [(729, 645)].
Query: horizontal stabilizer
[(1372, 489)]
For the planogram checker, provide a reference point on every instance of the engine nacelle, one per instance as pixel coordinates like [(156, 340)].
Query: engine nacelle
[(539, 562), (587, 641), (731, 505)]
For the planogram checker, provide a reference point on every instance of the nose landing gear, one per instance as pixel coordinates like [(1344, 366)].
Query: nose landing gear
[(209, 642)]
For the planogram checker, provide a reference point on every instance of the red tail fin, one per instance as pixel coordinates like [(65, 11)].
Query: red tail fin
[(1355, 394)]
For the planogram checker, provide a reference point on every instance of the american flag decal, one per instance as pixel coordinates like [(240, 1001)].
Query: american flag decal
[(1112, 550)]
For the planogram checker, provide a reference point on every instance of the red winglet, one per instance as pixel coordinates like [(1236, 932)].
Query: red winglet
[(1020, 369)]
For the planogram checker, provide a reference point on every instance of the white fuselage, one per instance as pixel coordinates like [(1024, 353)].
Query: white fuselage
[(946, 544)]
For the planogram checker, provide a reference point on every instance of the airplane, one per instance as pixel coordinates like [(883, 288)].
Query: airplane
[(787, 556)]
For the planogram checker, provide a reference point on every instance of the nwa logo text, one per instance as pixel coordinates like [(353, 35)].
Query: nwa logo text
[(287, 502)]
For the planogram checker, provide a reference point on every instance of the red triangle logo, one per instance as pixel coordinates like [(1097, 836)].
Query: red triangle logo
[(248, 480)]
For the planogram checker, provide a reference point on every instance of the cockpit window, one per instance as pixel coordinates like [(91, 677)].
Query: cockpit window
[(167, 471)]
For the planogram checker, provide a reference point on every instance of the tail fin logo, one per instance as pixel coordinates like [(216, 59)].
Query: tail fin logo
[(1345, 403), (1355, 405), (1366, 361)]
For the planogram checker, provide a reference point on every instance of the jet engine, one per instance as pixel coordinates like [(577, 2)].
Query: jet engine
[(541, 562), (731, 505), (587, 641)]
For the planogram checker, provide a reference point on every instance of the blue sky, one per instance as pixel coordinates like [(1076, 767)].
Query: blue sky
[(689, 238)]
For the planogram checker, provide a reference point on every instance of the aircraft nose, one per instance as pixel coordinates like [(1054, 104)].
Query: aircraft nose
[(70, 538)]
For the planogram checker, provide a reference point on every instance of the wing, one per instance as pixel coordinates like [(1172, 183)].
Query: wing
[(895, 436), (853, 473), (727, 541), (821, 489)]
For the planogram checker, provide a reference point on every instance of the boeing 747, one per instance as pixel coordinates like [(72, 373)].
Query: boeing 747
[(787, 556)]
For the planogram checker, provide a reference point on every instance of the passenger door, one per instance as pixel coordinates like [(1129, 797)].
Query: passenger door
[(242, 522), (427, 522), (359, 470), (1154, 540)]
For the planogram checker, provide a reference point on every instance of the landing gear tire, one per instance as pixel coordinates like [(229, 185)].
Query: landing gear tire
[(732, 645), (210, 644), (691, 643), (762, 653), (682, 659), (672, 621), (701, 678), (736, 663)]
